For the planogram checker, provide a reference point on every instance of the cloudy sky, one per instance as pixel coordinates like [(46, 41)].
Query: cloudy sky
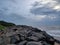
[(31, 12)]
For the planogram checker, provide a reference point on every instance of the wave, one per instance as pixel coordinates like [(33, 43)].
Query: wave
[(54, 33)]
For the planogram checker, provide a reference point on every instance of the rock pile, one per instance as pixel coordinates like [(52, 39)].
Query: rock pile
[(25, 35)]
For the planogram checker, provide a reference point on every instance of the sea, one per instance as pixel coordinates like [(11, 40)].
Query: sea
[(55, 33)]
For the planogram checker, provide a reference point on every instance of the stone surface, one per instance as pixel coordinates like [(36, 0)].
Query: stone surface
[(34, 43), (25, 35)]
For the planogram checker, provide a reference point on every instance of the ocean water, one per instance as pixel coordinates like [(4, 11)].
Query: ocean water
[(55, 33)]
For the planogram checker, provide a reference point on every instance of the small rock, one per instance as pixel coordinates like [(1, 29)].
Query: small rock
[(34, 43), (33, 38)]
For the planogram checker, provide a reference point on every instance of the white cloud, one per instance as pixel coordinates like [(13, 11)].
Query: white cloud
[(52, 17), (35, 17), (57, 7)]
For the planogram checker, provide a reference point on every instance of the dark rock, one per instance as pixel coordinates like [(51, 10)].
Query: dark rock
[(14, 29), (22, 43), (14, 39), (36, 30)]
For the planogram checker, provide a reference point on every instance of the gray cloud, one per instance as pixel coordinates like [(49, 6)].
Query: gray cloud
[(29, 13), (44, 11), (53, 15), (40, 8), (58, 1)]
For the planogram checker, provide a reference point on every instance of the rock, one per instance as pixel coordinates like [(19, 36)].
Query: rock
[(1, 32), (2, 41), (22, 43), (45, 43), (26, 35), (11, 44), (34, 43), (32, 38), (14, 39), (38, 35)]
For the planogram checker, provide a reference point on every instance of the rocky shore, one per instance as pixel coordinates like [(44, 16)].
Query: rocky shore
[(25, 35)]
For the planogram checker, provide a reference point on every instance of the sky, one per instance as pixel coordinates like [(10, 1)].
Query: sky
[(31, 12)]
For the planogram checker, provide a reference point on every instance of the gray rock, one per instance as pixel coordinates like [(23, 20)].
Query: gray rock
[(14, 39), (2, 41), (34, 43), (26, 35), (22, 43), (38, 35), (11, 44), (33, 38)]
